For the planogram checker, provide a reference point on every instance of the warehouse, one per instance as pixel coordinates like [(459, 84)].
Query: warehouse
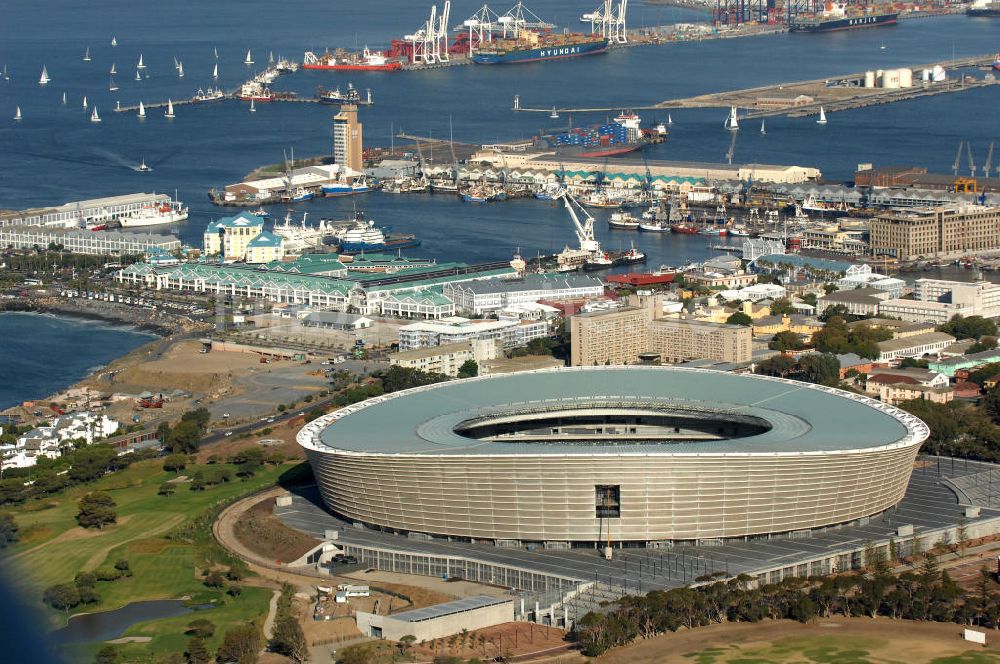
[(434, 622)]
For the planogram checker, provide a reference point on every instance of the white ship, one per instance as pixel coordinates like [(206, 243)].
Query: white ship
[(168, 212), (299, 237)]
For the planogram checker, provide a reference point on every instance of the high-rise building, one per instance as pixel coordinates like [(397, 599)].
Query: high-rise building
[(936, 232), (347, 138)]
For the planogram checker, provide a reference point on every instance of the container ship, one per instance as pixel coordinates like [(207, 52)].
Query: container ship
[(625, 134), (534, 46), (836, 16), (343, 61)]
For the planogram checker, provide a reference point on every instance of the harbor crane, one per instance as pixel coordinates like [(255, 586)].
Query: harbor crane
[(518, 18), (972, 164), (585, 229), (429, 44), (989, 162), (609, 21), (958, 158), (480, 26)]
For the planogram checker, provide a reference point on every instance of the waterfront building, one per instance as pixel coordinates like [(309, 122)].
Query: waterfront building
[(229, 237), (756, 293), (347, 139), (920, 311), (115, 243), (48, 441), (447, 359), (754, 248), (426, 304), (95, 210), (482, 297), (304, 179), (983, 296), (510, 333), (936, 232), (265, 247)]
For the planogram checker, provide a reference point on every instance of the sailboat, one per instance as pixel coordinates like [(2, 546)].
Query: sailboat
[(180, 70), (142, 111), (44, 79), (6, 76), (763, 131), (170, 109), (670, 120), (17, 114), (249, 59), (882, 47), (112, 86), (270, 57), (215, 72), (732, 122), (140, 65), (215, 51), (822, 116), (86, 55), (142, 167), (138, 76), (253, 109), (84, 102), (176, 63), (94, 117), (64, 99), (114, 69), (114, 41)]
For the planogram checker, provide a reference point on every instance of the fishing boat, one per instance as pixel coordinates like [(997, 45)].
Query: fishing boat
[(822, 116), (654, 226), (713, 231), (170, 109), (114, 69), (263, 214), (44, 78), (17, 114), (732, 122), (739, 231), (249, 59), (347, 187), (94, 117), (212, 94), (631, 257), (112, 86), (367, 60), (474, 195), (599, 260), (683, 229), (623, 220), (168, 212), (180, 70), (86, 55), (142, 111), (140, 65), (215, 72)]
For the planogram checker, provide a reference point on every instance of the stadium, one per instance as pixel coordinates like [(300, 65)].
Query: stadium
[(632, 455)]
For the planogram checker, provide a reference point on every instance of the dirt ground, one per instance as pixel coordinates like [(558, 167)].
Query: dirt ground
[(509, 639), (857, 639), (262, 532)]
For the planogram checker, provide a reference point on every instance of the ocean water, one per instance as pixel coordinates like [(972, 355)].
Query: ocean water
[(57, 155), (42, 354)]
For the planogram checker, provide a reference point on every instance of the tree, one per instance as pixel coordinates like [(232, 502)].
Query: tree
[(991, 404), (241, 644), (740, 318), (810, 299), (174, 462), (122, 566), (167, 489), (97, 509), (785, 340), (63, 596), (107, 655), (973, 327), (8, 530), (185, 437), (983, 344), (821, 369), (289, 640), (406, 642), (215, 580), (197, 651), (782, 307), (201, 628), (469, 369), (397, 378)]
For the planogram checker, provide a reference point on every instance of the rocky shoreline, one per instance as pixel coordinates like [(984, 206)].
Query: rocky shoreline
[(144, 320)]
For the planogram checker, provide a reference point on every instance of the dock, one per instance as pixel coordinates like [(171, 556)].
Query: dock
[(802, 98)]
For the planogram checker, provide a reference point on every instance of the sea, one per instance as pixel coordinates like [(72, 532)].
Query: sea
[(42, 354), (55, 154)]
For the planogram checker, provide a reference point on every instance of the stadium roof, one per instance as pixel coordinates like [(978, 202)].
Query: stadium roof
[(803, 418)]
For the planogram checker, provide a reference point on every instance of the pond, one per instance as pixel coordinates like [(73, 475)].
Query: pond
[(105, 625)]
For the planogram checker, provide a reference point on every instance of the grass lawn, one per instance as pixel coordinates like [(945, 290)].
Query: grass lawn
[(164, 538)]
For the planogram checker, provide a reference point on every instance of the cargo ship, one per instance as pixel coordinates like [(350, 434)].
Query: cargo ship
[(534, 47), (836, 16), (625, 134), (989, 8), (343, 61)]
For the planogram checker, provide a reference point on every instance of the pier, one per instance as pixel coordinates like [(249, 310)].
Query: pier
[(802, 98)]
